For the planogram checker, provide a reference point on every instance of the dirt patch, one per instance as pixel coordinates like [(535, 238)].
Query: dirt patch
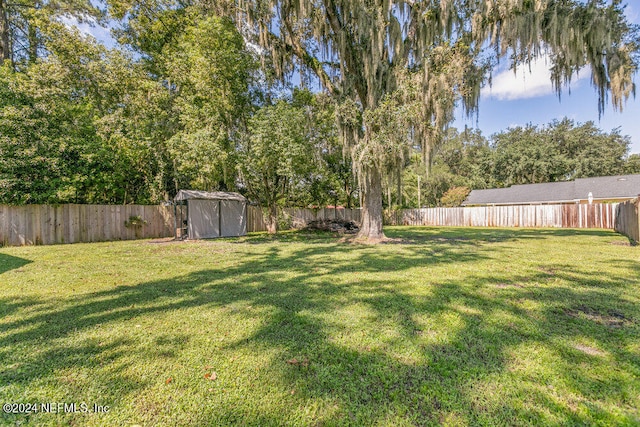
[(355, 240), (611, 319), (334, 225), (451, 239), (507, 285), (396, 241), (591, 351), (619, 243), (548, 270), (163, 240)]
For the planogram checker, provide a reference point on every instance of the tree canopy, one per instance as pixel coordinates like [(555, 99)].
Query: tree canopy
[(425, 56), (201, 94), (562, 150), (32, 29)]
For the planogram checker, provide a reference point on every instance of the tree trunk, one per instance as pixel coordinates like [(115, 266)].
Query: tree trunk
[(272, 220), (5, 48), (33, 44), (427, 164), (371, 227), (348, 192), (399, 185)]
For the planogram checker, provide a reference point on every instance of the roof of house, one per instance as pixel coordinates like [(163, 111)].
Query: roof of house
[(206, 195), (601, 188)]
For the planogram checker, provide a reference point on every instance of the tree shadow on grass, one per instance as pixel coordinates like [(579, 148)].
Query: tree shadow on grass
[(488, 234), (52, 326), (426, 235), (9, 262), (445, 380), (368, 350)]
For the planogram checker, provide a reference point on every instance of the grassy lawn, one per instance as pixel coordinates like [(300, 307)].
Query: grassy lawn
[(449, 326)]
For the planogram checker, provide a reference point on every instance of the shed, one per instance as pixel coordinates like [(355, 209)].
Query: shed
[(213, 214)]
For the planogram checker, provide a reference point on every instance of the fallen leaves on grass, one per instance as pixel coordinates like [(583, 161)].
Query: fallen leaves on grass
[(295, 362), (211, 376), (610, 318), (168, 380)]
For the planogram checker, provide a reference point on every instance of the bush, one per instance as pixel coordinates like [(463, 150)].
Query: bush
[(454, 196)]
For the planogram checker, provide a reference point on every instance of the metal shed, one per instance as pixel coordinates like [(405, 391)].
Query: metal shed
[(212, 214)]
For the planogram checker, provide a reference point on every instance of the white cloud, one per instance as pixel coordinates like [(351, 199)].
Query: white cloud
[(527, 82), (632, 14), (89, 28)]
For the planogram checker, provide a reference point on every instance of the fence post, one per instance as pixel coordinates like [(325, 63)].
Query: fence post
[(637, 203)]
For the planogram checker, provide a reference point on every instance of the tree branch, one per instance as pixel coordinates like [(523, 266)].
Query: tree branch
[(349, 56), (294, 47)]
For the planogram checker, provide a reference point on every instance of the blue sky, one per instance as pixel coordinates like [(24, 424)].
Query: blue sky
[(522, 98), (528, 97)]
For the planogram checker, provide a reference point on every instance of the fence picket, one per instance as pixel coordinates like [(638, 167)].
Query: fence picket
[(41, 224)]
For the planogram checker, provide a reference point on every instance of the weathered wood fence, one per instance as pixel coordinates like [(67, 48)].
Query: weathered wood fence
[(298, 217), (42, 224), (628, 219), (47, 225), (600, 215)]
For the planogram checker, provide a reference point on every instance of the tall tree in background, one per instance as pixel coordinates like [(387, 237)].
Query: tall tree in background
[(210, 72), (366, 53), (561, 151), (47, 137), (464, 159), (26, 26), (328, 177), (632, 165), (274, 156), (80, 126)]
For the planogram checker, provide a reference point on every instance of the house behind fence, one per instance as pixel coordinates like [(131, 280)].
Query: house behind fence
[(601, 189), (42, 224)]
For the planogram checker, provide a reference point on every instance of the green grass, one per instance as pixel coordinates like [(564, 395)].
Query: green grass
[(446, 326)]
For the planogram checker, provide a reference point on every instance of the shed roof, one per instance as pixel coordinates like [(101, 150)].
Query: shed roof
[(602, 188), (208, 195)]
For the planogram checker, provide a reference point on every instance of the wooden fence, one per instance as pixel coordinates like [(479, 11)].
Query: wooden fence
[(562, 216), (46, 225), (298, 217), (42, 224), (628, 219)]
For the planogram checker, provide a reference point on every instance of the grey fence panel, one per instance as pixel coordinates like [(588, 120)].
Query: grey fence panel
[(627, 219)]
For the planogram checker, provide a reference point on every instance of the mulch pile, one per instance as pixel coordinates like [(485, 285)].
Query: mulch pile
[(335, 225)]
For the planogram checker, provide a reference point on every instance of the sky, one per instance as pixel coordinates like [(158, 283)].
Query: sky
[(524, 97), (528, 97)]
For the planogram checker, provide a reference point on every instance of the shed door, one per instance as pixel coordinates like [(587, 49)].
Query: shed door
[(234, 221), (204, 221)]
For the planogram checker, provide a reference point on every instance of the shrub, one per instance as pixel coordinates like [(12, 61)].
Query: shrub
[(454, 196)]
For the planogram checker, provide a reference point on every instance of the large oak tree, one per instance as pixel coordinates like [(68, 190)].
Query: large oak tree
[(409, 62)]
